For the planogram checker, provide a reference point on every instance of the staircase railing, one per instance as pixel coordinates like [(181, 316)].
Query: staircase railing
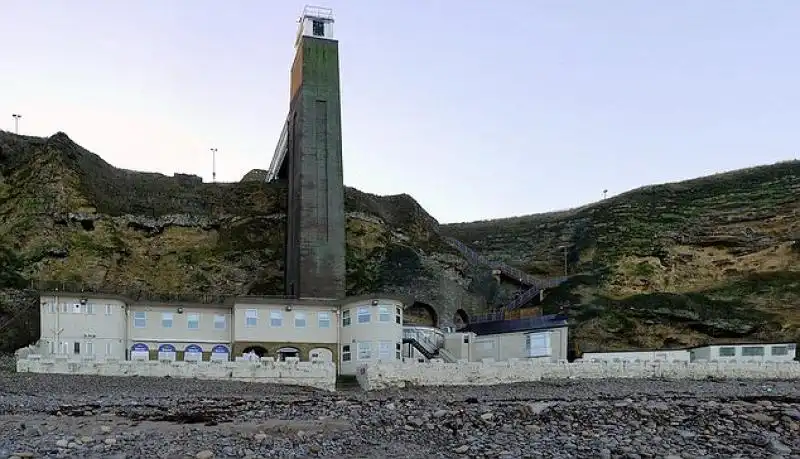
[(506, 269), (424, 341), (523, 299), (447, 356)]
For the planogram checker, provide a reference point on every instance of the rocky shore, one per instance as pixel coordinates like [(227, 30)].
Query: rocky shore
[(88, 417)]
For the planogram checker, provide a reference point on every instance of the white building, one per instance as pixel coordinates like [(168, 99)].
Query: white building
[(549, 345), (660, 355), (351, 332), (773, 352)]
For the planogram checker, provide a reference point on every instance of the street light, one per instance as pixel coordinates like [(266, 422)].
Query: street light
[(16, 122), (214, 165)]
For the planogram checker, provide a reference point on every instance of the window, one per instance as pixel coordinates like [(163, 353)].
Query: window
[(65, 346), (538, 344), (139, 319), (76, 347), (318, 28), (753, 351), (780, 350), (324, 319), (299, 319), (89, 348), (250, 318), (108, 347), (398, 351), (193, 321), (466, 339), (384, 315), (385, 350), (108, 309), (364, 351), (346, 318), (166, 320), (727, 352), (64, 308), (275, 319), (363, 315), (346, 353), (398, 316), (90, 308), (220, 322)]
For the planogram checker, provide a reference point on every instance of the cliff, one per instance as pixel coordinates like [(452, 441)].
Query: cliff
[(675, 264), (713, 258)]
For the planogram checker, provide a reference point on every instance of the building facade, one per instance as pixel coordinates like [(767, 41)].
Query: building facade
[(758, 352), (350, 332), (659, 355), (549, 345)]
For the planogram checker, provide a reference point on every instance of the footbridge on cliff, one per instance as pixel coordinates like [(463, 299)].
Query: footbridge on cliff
[(536, 285), (278, 166)]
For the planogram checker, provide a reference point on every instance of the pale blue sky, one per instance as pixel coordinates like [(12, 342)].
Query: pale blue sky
[(478, 109)]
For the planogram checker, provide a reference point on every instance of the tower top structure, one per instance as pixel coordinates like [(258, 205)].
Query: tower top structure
[(316, 22)]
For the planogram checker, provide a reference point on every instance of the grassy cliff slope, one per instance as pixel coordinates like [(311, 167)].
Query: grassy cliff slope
[(713, 258), (670, 264)]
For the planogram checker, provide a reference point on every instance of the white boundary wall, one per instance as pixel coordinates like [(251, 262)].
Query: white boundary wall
[(317, 374), (377, 376)]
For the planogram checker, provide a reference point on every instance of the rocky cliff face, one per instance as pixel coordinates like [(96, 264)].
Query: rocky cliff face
[(68, 216), (665, 265), (670, 264)]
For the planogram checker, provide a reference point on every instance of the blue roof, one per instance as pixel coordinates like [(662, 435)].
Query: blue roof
[(517, 325)]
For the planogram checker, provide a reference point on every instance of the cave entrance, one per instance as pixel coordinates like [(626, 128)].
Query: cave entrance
[(460, 319), (421, 313), (285, 352), (257, 350)]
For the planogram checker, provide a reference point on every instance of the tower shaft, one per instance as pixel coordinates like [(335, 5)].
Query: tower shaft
[(315, 236)]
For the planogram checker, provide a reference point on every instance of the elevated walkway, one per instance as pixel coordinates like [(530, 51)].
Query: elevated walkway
[(277, 167)]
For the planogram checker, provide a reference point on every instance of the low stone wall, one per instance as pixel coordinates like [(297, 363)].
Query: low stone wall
[(317, 374), (376, 376)]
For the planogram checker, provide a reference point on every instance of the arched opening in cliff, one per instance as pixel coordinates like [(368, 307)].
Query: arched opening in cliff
[(421, 313), (460, 319)]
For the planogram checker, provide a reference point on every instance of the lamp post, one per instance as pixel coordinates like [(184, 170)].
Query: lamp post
[(214, 165), (16, 117)]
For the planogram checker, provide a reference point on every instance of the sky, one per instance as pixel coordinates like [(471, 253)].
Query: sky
[(477, 109)]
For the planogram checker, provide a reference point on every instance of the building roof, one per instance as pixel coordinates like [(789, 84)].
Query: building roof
[(742, 343), (230, 301), (518, 325)]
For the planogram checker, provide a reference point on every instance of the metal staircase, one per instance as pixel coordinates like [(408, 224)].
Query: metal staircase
[(421, 343), (535, 284)]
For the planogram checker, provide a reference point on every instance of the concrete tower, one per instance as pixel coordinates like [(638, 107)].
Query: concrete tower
[(315, 235)]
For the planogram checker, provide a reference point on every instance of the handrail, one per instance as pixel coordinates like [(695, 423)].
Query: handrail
[(523, 299), (508, 270), (423, 340)]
